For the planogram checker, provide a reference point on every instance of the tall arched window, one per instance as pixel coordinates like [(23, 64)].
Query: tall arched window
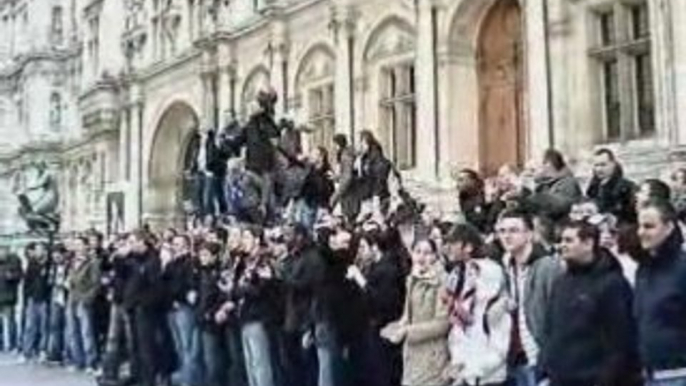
[(55, 112)]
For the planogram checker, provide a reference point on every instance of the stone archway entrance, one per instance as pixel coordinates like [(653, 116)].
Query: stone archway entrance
[(172, 154), (500, 80)]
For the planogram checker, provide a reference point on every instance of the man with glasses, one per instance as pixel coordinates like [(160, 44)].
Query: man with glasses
[(531, 273)]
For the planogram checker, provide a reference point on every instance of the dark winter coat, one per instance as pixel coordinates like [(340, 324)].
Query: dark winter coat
[(385, 290), (376, 169), (84, 281), (210, 297), (179, 277), (37, 281), (10, 277), (592, 331), (260, 156), (554, 197), (616, 196), (299, 273), (256, 293), (475, 210), (660, 303), (318, 188), (144, 290)]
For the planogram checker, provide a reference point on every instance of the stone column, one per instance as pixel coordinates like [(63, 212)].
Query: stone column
[(124, 141), (207, 76), (278, 61), (224, 95), (425, 64), (134, 191), (538, 83), (677, 23), (343, 29)]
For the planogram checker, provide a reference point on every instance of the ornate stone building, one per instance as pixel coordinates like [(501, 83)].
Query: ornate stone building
[(109, 92)]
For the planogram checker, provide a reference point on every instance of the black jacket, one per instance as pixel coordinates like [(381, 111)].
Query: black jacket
[(374, 175), (37, 281), (299, 274), (592, 331), (123, 267), (260, 156), (10, 277), (179, 278), (215, 156), (318, 188), (256, 295), (210, 297), (144, 288), (661, 306), (615, 197), (385, 290), (476, 211)]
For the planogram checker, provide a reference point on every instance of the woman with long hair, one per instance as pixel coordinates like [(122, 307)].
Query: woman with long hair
[(423, 328), (374, 170)]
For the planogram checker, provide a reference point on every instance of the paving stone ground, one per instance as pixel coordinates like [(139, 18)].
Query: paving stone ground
[(12, 373)]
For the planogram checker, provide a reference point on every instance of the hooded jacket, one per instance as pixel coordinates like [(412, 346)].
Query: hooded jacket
[(591, 329), (660, 304), (480, 322)]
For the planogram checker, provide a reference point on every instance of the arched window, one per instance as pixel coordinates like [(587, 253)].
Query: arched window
[(55, 112)]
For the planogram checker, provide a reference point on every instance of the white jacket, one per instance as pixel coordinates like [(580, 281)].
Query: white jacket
[(480, 339)]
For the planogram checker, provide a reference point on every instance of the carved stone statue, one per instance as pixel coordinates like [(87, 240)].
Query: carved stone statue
[(39, 199)]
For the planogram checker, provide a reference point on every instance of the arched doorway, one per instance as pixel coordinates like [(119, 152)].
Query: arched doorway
[(171, 156), (500, 81)]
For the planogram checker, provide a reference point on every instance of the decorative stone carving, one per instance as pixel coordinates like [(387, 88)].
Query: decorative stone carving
[(392, 40)]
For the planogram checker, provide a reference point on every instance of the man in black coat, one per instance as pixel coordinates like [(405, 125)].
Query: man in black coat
[(613, 193), (260, 137), (660, 301), (592, 337), (145, 301)]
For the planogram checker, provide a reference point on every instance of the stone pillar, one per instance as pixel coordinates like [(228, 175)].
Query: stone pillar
[(224, 86), (207, 76), (278, 66), (343, 29), (538, 83), (426, 149), (665, 24), (677, 22), (134, 191), (224, 95), (124, 141)]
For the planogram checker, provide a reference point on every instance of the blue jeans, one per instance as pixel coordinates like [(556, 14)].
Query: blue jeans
[(81, 335), (328, 355), (214, 198), (256, 350), (186, 338), (35, 327), (58, 324), (522, 376), (305, 214), (213, 358), (680, 381), (9, 329)]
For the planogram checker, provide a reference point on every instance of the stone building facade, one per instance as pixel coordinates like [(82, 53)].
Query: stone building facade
[(109, 92)]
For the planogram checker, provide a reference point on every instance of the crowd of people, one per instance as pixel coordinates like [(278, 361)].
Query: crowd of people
[(305, 272)]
